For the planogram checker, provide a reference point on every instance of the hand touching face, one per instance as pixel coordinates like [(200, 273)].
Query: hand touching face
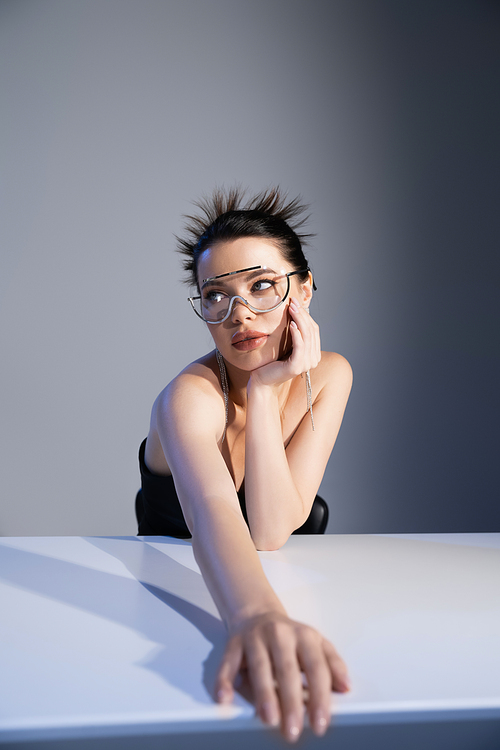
[(247, 338)]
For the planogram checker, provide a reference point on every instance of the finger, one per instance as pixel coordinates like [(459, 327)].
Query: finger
[(289, 685), (319, 680), (298, 352), (297, 338), (261, 678), (299, 314), (229, 668), (338, 669), (301, 336), (309, 330)]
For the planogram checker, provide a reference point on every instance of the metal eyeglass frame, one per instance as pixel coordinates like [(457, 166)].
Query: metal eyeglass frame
[(242, 299)]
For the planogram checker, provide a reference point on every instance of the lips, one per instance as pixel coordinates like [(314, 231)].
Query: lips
[(244, 335), (246, 340)]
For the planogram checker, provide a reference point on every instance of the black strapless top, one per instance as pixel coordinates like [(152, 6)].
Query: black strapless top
[(159, 511), (157, 505)]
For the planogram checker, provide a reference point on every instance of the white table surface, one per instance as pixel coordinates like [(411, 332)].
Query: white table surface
[(118, 637)]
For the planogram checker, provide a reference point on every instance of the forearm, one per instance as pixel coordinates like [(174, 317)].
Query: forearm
[(230, 564), (274, 506)]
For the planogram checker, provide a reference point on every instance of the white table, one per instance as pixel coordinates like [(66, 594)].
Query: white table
[(113, 642)]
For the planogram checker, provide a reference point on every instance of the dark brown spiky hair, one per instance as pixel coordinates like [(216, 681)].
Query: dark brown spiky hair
[(226, 216)]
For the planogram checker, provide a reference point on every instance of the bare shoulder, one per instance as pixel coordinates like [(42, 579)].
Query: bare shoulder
[(189, 409), (196, 387), (333, 371), (331, 382)]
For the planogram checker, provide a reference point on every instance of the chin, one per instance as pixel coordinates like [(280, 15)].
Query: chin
[(251, 361)]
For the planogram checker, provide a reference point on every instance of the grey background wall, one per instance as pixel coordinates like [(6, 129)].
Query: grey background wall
[(384, 115)]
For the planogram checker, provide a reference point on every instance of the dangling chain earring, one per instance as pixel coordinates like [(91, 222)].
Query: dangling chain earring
[(225, 387), (309, 397)]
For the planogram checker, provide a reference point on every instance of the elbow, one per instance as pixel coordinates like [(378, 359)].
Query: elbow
[(271, 538), (268, 547), (270, 543)]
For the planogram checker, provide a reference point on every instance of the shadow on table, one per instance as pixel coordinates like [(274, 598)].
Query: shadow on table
[(182, 590), (121, 600)]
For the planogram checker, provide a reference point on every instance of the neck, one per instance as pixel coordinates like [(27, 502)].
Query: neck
[(238, 383)]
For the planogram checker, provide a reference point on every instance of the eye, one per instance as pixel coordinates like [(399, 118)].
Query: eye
[(213, 296), (263, 285)]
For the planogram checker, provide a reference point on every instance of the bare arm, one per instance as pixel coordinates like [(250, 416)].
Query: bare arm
[(261, 636), (281, 484), (221, 540)]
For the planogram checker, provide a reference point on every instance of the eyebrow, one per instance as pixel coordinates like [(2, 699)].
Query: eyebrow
[(257, 271)]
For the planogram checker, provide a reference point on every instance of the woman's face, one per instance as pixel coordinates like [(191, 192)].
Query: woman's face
[(247, 339)]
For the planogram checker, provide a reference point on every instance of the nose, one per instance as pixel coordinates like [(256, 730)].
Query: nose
[(240, 311)]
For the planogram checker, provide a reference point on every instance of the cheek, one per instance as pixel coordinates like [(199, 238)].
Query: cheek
[(214, 333)]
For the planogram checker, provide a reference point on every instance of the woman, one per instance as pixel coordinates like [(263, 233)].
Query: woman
[(261, 411)]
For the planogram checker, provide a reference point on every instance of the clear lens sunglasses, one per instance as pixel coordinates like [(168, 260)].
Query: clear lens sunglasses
[(264, 289)]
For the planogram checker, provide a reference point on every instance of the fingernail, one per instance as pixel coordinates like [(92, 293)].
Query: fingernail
[(292, 729), (293, 324), (269, 714), (320, 723)]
